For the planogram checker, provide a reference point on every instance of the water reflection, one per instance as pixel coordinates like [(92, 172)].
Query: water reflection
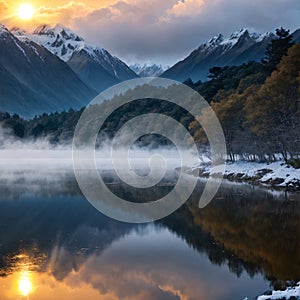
[(55, 245), (140, 266), (25, 283)]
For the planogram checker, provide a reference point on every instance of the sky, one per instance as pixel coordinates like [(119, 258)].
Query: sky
[(155, 31)]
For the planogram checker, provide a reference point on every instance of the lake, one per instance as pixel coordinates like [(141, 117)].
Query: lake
[(55, 245)]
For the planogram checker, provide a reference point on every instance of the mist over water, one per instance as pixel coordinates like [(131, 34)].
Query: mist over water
[(37, 160), (33, 163)]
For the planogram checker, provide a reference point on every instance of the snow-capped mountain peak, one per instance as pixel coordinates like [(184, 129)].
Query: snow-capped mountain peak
[(57, 31), (17, 31), (86, 59), (233, 39), (60, 40), (148, 70), (215, 41), (43, 30), (242, 33), (217, 38), (3, 30), (237, 34)]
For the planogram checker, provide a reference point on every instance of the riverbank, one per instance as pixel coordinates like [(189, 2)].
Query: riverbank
[(277, 174), (289, 293)]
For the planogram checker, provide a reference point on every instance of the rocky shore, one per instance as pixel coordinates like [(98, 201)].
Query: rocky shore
[(277, 175)]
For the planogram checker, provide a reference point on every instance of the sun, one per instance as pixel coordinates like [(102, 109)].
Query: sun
[(26, 11)]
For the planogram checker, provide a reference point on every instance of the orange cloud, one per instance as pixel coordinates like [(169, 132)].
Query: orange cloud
[(186, 8), (3, 8), (48, 11), (62, 14)]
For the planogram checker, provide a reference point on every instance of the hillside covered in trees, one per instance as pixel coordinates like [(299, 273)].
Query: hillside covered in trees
[(258, 105)]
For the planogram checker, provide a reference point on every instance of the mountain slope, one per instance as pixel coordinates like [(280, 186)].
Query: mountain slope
[(242, 46), (296, 36), (95, 66), (34, 81)]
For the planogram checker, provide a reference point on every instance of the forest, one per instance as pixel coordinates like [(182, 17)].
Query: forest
[(258, 105)]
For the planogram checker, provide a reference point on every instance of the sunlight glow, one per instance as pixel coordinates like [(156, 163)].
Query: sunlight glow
[(26, 11), (25, 285)]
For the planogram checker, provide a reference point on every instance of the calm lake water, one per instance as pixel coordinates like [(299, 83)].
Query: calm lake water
[(55, 245)]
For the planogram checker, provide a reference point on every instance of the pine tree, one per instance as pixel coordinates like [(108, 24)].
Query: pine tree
[(278, 48)]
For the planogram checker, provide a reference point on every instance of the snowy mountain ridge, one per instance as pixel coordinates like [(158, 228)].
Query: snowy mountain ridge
[(60, 41), (94, 65), (2, 28), (148, 70), (233, 39), (240, 47)]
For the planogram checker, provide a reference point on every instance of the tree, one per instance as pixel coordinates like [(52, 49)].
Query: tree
[(278, 48), (215, 72), (273, 112)]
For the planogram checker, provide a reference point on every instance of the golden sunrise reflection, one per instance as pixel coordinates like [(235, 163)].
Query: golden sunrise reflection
[(23, 266), (25, 283)]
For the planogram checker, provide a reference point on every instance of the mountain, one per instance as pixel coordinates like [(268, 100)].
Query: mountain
[(33, 80), (148, 70), (95, 66), (242, 46), (296, 36)]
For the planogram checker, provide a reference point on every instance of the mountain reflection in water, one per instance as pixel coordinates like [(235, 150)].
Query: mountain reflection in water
[(55, 245)]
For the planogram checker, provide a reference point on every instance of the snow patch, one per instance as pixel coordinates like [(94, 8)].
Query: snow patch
[(36, 52), (290, 292), (277, 174), (21, 49)]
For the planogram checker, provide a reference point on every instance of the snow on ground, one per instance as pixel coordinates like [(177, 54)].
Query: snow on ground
[(277, 173), (275, 170), (289, 293)]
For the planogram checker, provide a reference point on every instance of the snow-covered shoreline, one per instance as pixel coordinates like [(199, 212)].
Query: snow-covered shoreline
[(289, 293), (276, 174)]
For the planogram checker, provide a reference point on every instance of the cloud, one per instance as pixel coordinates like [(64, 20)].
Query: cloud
[(144, 269), (64, 14), (3, 8), (168, 30), (186, 8), (139, 266), (159, 31)]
